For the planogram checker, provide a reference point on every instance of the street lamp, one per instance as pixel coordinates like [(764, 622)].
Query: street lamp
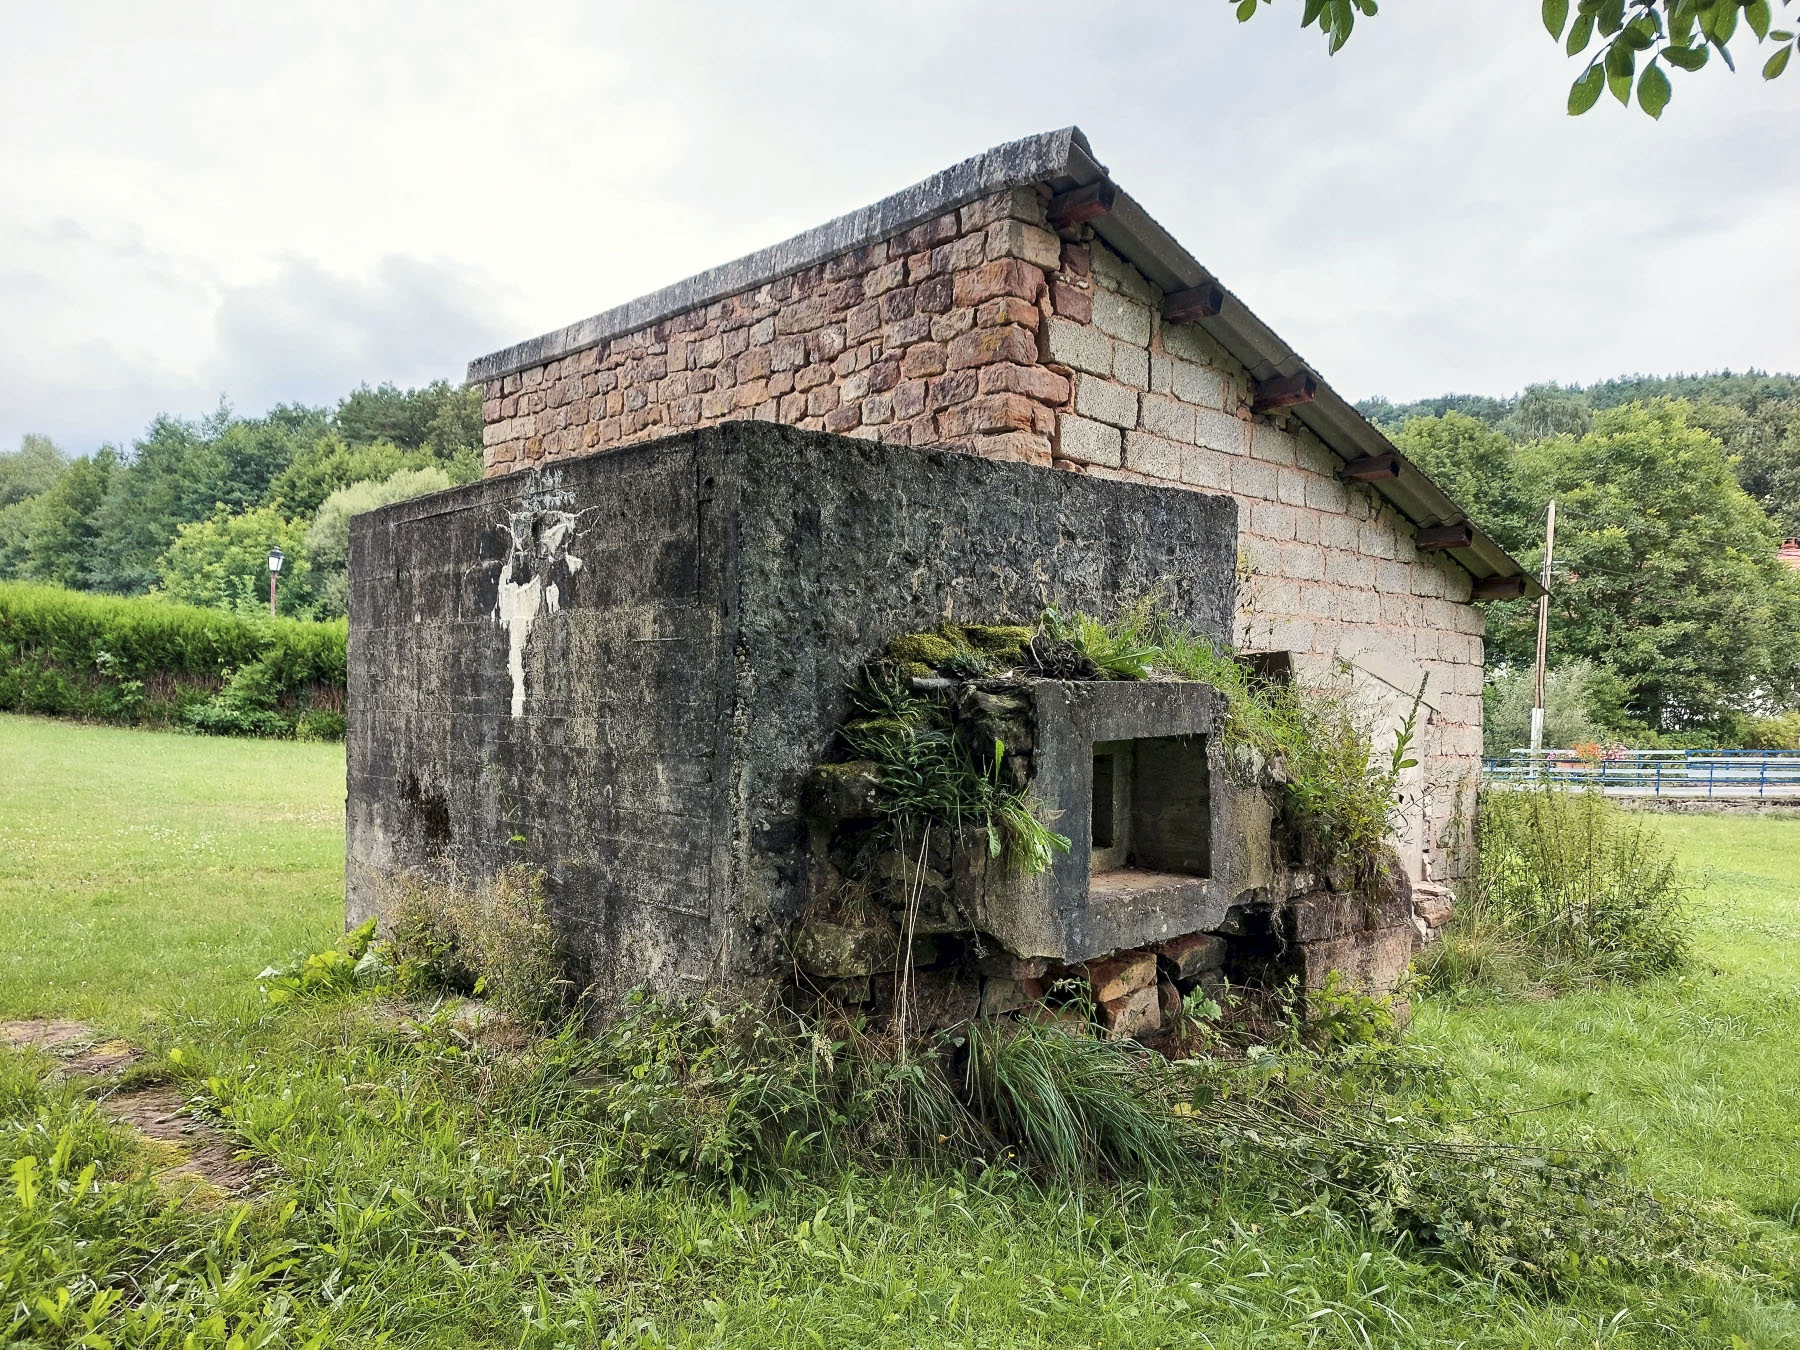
[(274, 571)]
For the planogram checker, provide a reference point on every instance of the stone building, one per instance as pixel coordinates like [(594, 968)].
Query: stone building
[(1022, 306), (1124, 420)]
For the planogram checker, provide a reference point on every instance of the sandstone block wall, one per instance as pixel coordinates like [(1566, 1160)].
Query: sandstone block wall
[(986, 331)]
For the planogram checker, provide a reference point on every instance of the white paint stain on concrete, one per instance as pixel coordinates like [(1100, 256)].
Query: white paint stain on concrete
[(540, 540)]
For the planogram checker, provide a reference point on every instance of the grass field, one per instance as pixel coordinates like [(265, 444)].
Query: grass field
[(425, 1191), (145, 874), (1700, 1073)]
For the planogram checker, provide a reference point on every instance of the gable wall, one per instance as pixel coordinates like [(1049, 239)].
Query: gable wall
[(986, 331)]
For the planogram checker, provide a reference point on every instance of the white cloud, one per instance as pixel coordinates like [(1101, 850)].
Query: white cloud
[(279, 203)]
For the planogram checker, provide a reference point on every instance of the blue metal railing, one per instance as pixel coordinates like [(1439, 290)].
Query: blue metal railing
[(1660, 773)]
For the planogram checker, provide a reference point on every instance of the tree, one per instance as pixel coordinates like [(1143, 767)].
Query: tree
[(165, 482), (184, 471), (15, 531), (439, 417), (30, 469), (1766, 447), (222, 561), (1547, 410), (1479, 468), (1639, 41), (328, 539), (63, 530), (330, 464), (1569, 719), (25, 474), (1666, 572)]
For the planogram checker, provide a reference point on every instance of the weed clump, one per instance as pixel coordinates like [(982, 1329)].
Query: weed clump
[(493, 939), (929, 775), (1569, 890)]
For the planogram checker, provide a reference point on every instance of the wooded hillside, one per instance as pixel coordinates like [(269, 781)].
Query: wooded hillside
[(1673, 620), (191, 509)]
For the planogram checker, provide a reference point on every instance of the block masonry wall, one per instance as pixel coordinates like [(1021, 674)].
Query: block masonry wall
[(987, 331)]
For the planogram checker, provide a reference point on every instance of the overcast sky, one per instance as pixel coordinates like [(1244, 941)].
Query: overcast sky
[(276, 202)]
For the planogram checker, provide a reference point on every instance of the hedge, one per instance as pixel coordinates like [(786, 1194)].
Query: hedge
[(149, 662)]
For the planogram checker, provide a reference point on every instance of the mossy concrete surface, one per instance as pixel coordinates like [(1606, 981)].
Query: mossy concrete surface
[(620, 669)]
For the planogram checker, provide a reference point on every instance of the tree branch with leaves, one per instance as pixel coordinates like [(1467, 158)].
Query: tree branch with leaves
[(1638, 41)]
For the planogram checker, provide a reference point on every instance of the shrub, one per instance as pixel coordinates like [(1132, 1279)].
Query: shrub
[(320, 724), (1568, 888), (1773, 733), (328, 537), (221, 562), (1570, 696), (150, 661)]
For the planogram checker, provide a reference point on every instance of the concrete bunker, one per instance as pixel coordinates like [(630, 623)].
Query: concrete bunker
[(631, 671)]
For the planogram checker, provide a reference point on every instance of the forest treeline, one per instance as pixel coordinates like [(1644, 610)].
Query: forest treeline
[(191, 509), (1673, 622)]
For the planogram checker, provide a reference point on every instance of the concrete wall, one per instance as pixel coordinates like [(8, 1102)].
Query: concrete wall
[(985, 331), (619, 668)]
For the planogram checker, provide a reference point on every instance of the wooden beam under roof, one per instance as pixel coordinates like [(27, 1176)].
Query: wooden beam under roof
[(1082, 204), (1459, 535), (1197, 302), (1500, 588), (1371, 468), (1284, 391)]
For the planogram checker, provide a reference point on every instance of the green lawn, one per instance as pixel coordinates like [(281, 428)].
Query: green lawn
[(431, 1193), (1701, 1073), (144, 874)]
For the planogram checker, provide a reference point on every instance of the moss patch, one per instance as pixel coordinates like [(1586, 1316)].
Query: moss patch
[(961, 651)]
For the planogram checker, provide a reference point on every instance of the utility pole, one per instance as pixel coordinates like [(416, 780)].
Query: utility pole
[(1543, 636)]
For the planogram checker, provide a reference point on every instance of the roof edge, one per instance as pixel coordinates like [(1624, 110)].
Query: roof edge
[(1015, 164), (1060, 159)]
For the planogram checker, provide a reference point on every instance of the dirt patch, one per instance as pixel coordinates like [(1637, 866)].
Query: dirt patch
[(107, 1057), (47, 1034), (194, 1151), (190, 1153), (81, 1050)]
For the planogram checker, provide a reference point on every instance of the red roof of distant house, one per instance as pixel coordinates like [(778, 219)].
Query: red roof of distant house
[(1790, 553)]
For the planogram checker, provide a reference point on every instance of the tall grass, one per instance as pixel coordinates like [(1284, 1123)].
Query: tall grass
[(1076, 1107), (1569, 889)]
